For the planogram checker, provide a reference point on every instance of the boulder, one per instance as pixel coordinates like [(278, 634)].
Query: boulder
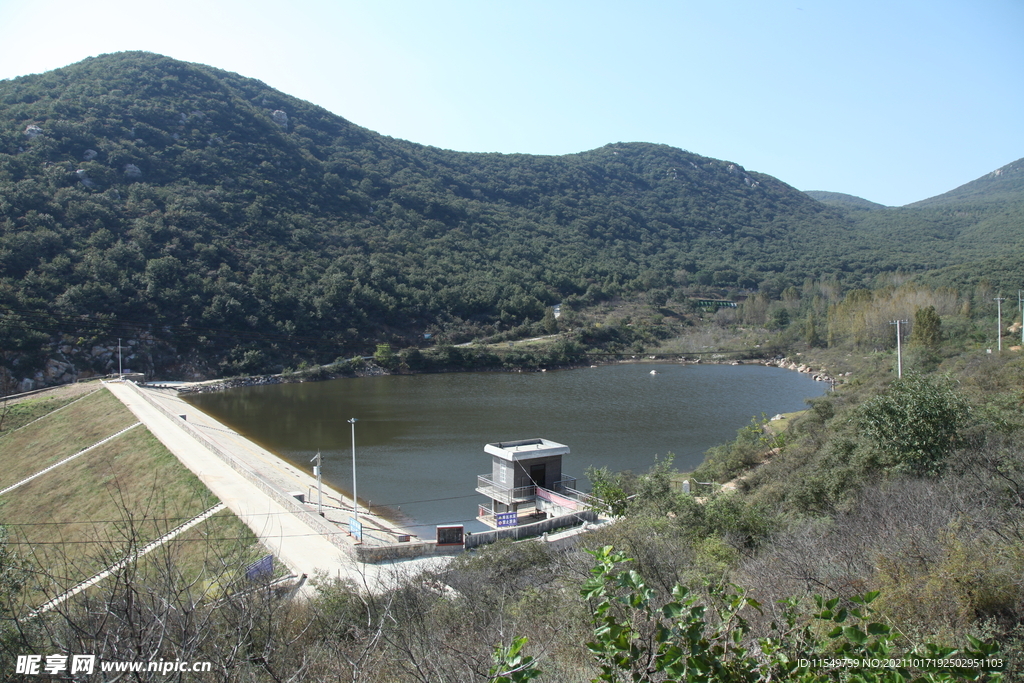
[(83, 176)]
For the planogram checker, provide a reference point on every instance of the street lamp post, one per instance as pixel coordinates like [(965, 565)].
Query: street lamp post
[(899, 346), (319, 483), (355, 496), (999, 321)]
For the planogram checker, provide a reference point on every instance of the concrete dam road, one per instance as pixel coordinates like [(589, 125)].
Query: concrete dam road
[(301, 548)]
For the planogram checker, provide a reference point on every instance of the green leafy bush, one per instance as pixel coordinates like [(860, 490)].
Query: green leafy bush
[(914, 425)]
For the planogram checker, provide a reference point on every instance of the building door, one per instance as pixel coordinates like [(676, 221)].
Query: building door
[(538, 474)]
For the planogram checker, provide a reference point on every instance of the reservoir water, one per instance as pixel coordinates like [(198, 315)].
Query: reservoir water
[(420, 438)]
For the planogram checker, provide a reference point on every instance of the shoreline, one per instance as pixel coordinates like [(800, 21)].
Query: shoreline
[(371, 369), (405, 516)]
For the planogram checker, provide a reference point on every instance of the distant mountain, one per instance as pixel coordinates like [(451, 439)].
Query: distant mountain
[(845, 201), (1005, 184), (234, 227), (978, 221)]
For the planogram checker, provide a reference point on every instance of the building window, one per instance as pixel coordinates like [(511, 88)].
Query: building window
[(501, 473)]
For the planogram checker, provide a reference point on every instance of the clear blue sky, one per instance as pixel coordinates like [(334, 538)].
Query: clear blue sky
[(894, 101)]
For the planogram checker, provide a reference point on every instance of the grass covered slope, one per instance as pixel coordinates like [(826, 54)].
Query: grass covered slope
[(87, 513), (60, 434)]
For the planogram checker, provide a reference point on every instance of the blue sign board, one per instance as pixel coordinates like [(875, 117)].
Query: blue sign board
[(355, 527), (507, 519), (260, 569)]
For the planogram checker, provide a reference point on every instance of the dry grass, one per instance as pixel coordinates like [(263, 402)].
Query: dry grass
[(780, 426)]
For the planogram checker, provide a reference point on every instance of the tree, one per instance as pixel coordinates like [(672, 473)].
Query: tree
[(548, 322), (7, 388), (914, 424), (609, 490), (811, 335), (384, 356), (927, 331), (779, 319)]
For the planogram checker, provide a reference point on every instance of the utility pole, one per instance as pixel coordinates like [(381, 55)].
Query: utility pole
[(317, 470), (1020, 309), (999, 320), (120, 372), (899, 346), (355, 496)]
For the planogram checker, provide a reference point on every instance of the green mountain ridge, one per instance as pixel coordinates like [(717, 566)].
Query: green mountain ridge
[(845, 201), (1001, 185), (226, 219)]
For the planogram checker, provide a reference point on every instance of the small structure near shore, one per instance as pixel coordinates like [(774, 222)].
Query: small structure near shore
[(526, 484)]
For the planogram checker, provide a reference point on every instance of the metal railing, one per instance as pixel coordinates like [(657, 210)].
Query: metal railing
[(565, 484), (527, 530), (504, 494), (584, 498)]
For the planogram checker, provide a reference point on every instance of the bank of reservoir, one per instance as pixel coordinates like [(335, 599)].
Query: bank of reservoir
[(420, 438)]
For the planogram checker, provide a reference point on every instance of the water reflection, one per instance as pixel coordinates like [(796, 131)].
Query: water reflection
[(421, 437)]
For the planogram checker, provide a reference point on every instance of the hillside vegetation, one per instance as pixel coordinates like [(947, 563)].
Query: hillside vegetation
[(223, 227), (228, 228)]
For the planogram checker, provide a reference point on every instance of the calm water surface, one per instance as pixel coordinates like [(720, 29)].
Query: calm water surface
[(420, 438)]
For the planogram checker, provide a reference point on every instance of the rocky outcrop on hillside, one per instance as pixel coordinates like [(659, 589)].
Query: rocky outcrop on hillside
[(70, 359)]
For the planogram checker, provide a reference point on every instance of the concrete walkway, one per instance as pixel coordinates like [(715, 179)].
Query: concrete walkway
[(302, 549)]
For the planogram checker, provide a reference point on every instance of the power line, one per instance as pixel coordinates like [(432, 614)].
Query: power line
[(117, 521), (176, 540), (259, 514), (412, 502)]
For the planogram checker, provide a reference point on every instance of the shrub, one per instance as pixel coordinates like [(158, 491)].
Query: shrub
[(915, 423)]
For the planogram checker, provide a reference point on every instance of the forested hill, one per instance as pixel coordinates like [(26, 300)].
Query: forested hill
[(963, 228), (1002, 185), (219, 213), (846, 201)]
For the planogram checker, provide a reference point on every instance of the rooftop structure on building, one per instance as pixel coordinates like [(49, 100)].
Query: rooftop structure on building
[(527, 449)]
